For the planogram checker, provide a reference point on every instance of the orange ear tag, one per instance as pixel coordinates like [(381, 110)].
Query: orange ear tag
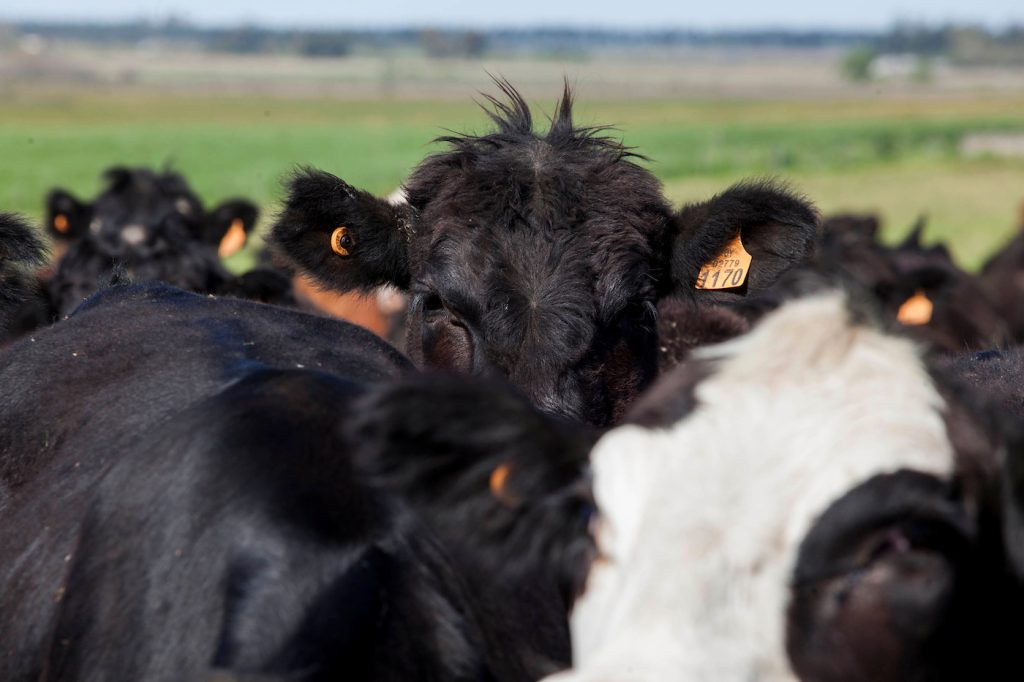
[(728, 270), (342, 241), (497, 485), (916, 310), (233, 239), (60, 222)]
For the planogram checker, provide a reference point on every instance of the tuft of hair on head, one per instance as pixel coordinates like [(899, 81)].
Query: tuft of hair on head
[(513, 120)]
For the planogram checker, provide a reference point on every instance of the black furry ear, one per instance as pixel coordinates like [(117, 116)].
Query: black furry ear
[(776, 228), (342, 236), (21, 250), (228, 225), (19, 244), (67, 218)]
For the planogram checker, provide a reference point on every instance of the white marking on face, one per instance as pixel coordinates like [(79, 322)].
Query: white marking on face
[(133, 234), (183, 206), (702, 521)]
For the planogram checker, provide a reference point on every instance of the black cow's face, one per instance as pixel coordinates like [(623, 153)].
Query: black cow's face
[(522, 265), (142, 213), (538, 257)]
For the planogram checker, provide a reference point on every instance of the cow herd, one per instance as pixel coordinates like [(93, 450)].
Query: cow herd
[(615, 441)]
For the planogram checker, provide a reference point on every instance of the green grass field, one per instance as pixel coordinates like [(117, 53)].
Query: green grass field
[(896, 156)]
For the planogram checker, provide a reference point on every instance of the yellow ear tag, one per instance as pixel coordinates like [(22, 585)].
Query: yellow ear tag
[(499, 477), (728, 270), (233, 239), (342, 241), (60, 223), (916, 310)]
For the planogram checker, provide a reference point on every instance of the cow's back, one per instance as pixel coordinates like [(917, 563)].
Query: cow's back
[(131, 356)]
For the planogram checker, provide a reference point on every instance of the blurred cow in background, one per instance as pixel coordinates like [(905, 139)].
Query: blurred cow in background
[(919, 286), (152, 227)]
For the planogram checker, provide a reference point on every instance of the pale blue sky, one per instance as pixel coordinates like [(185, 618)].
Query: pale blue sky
[(849, 14)]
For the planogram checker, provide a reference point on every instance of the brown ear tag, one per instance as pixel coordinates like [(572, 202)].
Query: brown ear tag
[(916, 310), (499, 477), (233, 239), (728, 270), (60, 223), (342, 241)]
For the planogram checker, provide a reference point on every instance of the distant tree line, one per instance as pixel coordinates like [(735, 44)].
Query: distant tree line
[(960, 44)]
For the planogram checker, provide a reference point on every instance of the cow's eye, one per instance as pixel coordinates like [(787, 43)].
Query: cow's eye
[(432, 304)]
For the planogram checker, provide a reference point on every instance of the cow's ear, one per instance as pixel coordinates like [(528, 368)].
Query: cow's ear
[(343, 237), (228, 225), (740, 241), (67, 218)]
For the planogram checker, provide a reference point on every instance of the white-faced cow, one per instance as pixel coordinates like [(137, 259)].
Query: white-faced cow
[(806, 501), (541, 257)]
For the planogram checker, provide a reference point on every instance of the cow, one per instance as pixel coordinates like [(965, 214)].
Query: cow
[(542, 257), (812, 500), (232, 487), (1002, 277), (151, 226), (919, 286)]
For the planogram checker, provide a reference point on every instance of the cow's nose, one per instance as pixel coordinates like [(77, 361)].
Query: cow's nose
[(133, 235)]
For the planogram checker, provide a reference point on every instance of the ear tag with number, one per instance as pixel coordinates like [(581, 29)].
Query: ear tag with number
[(728, 270), (233, 239), (916, 310)]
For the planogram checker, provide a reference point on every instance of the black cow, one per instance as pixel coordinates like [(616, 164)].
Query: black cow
[(919, 286), (539, 257), (1002, 277), (152, 227), (225, 485)]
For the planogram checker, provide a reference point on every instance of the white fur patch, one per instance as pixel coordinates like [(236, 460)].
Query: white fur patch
[(133, 234), (702, 521)]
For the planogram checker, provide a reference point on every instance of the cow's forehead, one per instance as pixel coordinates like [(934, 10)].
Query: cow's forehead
[(703, 519), (603, 269)]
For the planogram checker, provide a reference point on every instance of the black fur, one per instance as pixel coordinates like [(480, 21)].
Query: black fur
[(1002, 277), (317, 204), (206, 510), (21, 253), (776, 226)]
